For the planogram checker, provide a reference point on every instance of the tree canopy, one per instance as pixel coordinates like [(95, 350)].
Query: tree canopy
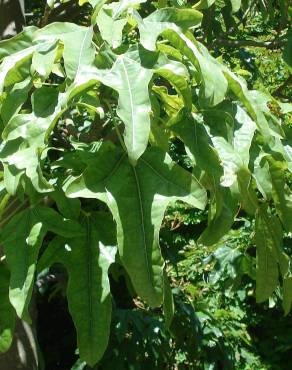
[(110, 120)]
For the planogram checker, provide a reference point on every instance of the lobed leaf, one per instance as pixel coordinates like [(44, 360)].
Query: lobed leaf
[(148, 188), (87, 260)]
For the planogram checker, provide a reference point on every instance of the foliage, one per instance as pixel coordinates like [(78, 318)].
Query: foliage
[(91, 119)]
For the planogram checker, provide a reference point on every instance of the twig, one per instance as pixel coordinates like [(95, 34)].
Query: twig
[(45, 18), (274, 44), (116, 126)]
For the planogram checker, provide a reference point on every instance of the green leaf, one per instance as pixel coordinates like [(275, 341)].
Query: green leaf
[(268, 239), (236, 4), (203, 4), (198, 145), (213, 84), (22, 249), (232, 140), (78, 48), (87, 261), (130, 76), (111, 29), (261, 174), (15, 68), (7, 314), (222, 211), (197, 142), (131, 81), (15, 99), (250, 100), (12, 177), (57, 224), (44, 101), (176, 73), (169, 102), (226, 261), (287, 294), (21, 41), (281, 191), (147, 190), (78, 51), (287, 53), (245, 191), (69, 208), (43, 60), (164, 19), (168, 304), (171, 23), (25, 134), (123, 5)]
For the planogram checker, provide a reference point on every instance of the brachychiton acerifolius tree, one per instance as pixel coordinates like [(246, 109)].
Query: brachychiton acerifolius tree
[(141, 78)]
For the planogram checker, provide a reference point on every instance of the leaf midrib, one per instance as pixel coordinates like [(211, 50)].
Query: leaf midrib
[(131, 103), (142, 224), (81, 51), (88, 257)]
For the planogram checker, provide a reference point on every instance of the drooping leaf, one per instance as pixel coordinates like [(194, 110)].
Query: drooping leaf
[(221, 215), (177, 74), (287, 294), (213, 82), (199, 146), (281, 191), (250, 101), (198, 143), (245, 192), (287, 53), (169, 102), (268, 239), (148, 188), (87, 260), (261, 174), (7, 314), (168, 304), (171, 23), (164, 19), (22, 248), (232, 140)]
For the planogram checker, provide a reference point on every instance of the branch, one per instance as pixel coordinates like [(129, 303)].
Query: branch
[(45, 18), (274, 44)]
